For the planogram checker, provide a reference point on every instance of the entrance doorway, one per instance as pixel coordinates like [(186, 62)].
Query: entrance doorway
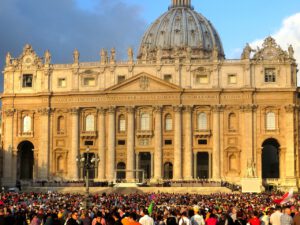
[(145, 163), (202, 165), (168, 170), (270, 159), (121, 175), (89, 157), (25, 161)]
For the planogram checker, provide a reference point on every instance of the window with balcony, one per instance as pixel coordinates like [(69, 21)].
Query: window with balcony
[(122, 123), (168, 123), (202, 121), (90, 123), (145, 121)]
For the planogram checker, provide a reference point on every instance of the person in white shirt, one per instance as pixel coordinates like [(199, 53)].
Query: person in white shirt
[(145, 218), (197, 219), (184, 220), (275, 217)]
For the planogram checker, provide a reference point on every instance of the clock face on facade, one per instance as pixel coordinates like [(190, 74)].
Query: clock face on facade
[(28, 60)]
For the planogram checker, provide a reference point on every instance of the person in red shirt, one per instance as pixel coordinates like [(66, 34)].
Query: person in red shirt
[(254, 219)]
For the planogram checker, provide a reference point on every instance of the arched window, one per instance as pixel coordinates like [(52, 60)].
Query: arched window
[(145, 121), (270, 121), (202, 121), (122, 123), (27, 124), (90, 123), (168, 122), (61, 124), (60, 164), (232, 122)]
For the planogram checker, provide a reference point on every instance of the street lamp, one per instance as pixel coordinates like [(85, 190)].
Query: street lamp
[(85, 163)]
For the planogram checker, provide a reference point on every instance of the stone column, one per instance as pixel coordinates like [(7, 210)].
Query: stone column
[(290, 142), (188, 151), (130, 143), (137, 165), (44, 151), (195, 164), (216, 142), (158, 144), (177, 144), (73, 171), (152, 165), (111, 152), (101, 144), (8, 147), (248, 148)]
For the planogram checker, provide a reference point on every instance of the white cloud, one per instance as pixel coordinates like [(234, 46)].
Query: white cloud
[(289, 33)]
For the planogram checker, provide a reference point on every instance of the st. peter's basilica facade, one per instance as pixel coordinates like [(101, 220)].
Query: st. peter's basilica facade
[(179, 110)]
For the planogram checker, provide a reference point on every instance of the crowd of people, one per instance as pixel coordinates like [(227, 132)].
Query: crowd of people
[(147, 209)]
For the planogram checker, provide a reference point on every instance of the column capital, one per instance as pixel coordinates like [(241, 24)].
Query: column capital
[(290, 108), (248, 108), (130, 109), (101, 110), (111, 109), (188, 108), (44, 111), (9, 112), (177, 108), (217, 108), (158, 109), (73, 111)]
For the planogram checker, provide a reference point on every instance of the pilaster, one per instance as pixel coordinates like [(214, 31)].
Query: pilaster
[(130, 143), (188, 152), (111, 151), (101, 144), (177, 143), (158, 143), (73, 170)]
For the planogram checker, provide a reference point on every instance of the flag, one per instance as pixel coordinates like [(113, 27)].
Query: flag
[(285, 198), (150, 208)]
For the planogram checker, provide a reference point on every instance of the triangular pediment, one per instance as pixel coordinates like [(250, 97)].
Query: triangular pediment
[(144, 83)]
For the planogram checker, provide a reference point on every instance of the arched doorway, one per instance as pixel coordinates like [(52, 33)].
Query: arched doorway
[(168, 170), (25, 161), (202, 165), (270, 159), (121, 175)]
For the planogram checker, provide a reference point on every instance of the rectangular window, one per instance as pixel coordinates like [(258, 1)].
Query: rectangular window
[(168, 78), (62, 82), (121, 142), (27, 80), (201, 79), (202, 142), (88, 143), (89, 81), (121, 78), (270, 75), (232, 79), (168, 142)]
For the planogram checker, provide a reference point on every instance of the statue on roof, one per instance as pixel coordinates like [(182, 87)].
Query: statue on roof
[(291, 52), (246, 52), (47, 57), (76, 56), (8, 59)]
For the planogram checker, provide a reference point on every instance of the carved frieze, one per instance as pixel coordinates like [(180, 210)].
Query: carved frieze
[(290, 108), (9, 112)]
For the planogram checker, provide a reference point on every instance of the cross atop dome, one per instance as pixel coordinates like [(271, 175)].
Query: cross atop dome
[(181, 3)]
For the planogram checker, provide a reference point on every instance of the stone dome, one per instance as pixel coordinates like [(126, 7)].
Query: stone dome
[(183, 33)]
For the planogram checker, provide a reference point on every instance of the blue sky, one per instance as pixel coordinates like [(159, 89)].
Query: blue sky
[(237, 22)]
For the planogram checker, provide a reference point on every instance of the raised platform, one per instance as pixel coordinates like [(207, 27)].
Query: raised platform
[(127, 190)]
